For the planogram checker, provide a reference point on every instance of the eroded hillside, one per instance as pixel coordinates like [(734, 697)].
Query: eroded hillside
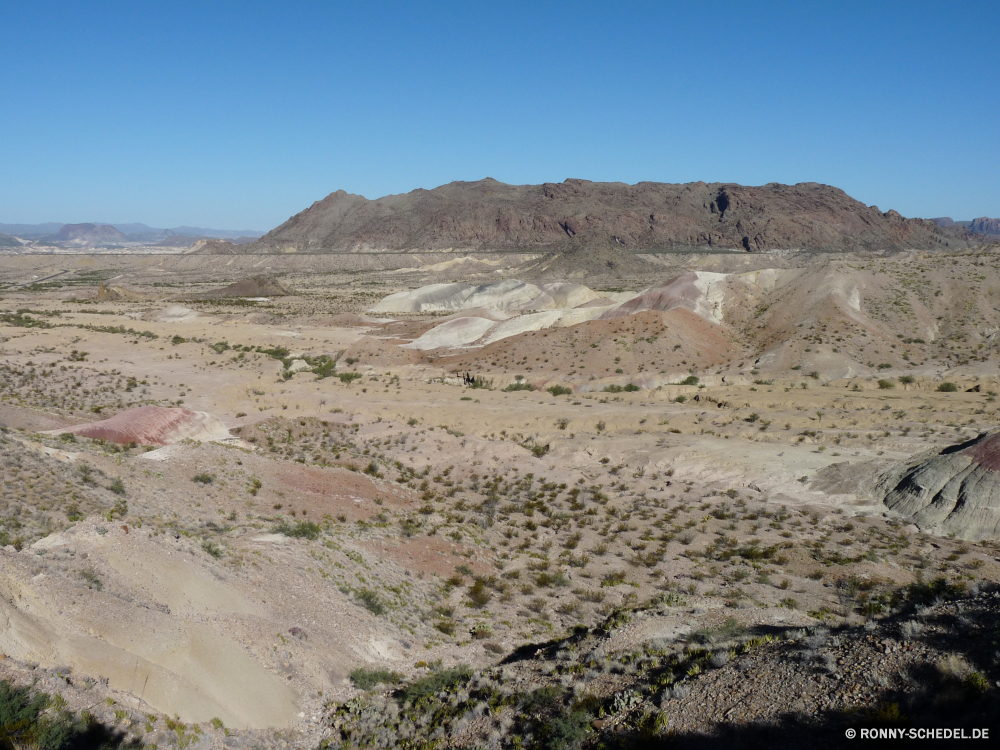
[(250, 520)]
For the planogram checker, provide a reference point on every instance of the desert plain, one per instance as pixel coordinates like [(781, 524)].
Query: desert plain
[(245, 498)]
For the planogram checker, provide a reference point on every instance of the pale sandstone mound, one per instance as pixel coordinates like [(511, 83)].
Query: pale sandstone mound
[(510, 294), (457, 332), (700, 292), (191, 667), (154, 425), (558, 305), (956, 491), (172, 314)]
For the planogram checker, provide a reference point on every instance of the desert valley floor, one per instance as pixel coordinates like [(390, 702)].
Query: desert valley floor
[(243, 497)]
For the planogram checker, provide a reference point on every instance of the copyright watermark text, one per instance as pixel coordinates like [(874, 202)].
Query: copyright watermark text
[(914, 733)]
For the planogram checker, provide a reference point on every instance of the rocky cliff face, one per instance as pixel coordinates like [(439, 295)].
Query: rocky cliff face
[(490, 215), (985, 225), (957, 491)]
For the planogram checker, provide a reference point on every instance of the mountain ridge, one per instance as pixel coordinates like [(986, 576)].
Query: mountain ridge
[(134, 232), (648, 216)]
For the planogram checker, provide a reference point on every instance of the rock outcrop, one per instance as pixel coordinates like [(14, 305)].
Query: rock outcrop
[(986, 225), (212, 247), (490, 215), (253, 287), (154, 425), (954, 492)]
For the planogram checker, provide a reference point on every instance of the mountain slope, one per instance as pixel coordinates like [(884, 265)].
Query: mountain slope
[(88, 234), (985, 225), (490, 215)]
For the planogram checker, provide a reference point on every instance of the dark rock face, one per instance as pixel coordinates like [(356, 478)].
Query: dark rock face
[(490, 215), (213, 247), (985, 225), (255, 286), (956, 491)]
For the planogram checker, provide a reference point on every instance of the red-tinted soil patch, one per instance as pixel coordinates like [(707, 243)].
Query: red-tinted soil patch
[(153, 425), (986, 452), (335, 492), (428, 554)]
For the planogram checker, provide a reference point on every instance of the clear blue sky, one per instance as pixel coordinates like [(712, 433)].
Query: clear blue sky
[(240, 114)]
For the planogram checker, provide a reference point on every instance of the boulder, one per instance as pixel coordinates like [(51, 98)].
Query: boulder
[(956, 491)]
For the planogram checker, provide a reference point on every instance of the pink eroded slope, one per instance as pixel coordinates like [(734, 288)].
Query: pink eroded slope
[(154, 425), (986, 452), (677, 292)]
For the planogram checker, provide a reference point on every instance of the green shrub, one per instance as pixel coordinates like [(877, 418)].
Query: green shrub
[(976, 683), (347, 377), (93, 580), (613, 578), (24, 725), (559, 390), (366, 679), (203, 478), (947, 387), (434, 683), (564, 732), (520, 386), (120, 509), (479, 594), (371, 601), (541, 699), (886, 385), (628, 388), (540, 450), (689, 380), (480, 631), (323, 367), (925, 592), (445, 626), (277, 352), (117, 486), (906, 379), (547, 579), (299, 530), (727, 631)]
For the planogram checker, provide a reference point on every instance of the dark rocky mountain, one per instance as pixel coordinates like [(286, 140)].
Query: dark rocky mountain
[(490, 215), (985, 225), (947, 222)]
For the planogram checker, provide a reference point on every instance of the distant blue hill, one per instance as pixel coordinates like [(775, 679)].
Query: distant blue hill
[(135, 232)]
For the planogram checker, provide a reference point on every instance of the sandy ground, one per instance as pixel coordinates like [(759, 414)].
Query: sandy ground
[(345, 523)]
